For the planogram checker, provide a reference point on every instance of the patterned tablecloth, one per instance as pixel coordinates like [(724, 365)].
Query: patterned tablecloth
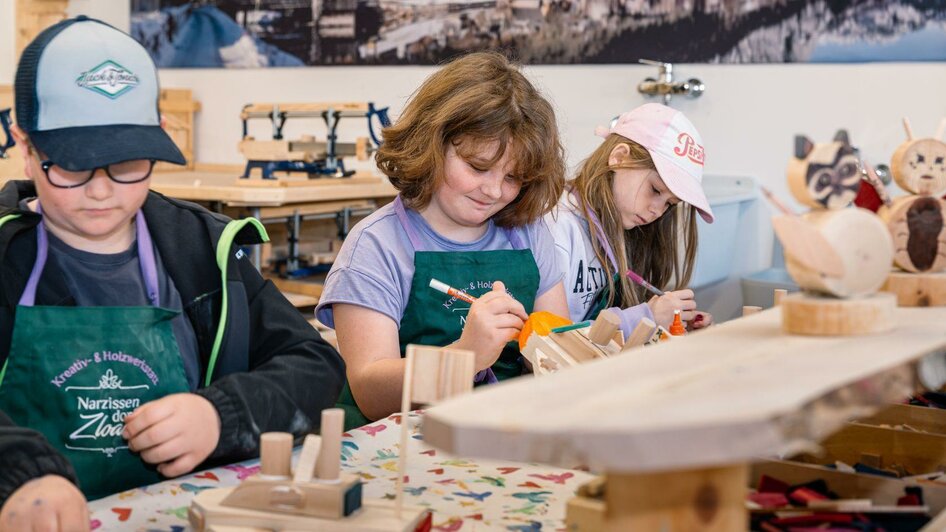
[(463, 494)]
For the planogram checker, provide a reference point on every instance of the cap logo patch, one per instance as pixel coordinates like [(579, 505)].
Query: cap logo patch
[(687, 147), (109, 78)]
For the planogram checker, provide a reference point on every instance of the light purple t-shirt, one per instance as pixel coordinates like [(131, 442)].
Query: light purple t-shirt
[(375, 266)]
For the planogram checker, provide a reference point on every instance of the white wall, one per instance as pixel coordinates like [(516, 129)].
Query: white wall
[(748, 115)]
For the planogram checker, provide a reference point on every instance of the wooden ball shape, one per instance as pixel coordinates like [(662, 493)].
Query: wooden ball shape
[(862, 242), (919, 167), (827, 176), (918, 227)]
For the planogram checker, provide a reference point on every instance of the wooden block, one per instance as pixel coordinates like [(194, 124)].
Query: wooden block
[(328, 465), (583, 514), (778, 295), (440, 373), (841, 505), (305, 466), (711, 499), (917, 289), (860, 239), (269, 150), (827, 316), (604, 327), (312, 499), (577, 346), (276, 454), (641, 335), (749, 310), (872, 460), (207, 513)]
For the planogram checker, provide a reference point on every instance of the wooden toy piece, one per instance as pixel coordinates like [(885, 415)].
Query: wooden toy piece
[(917, 289), (829, 316), (641, 335), (807, 245), (749, 310), (273, 501), (548, 353), (862, 242), (918, 227), (328, 466), (824, 176), (276, 454), (305, 467), (431, 374), (711, 499), (603, 328), (778, 295)]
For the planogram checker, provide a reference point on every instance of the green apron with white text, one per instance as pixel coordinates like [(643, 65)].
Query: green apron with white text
[(74, 373)]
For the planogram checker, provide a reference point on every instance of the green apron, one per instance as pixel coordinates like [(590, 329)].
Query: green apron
[(74, 373), (433, 318)]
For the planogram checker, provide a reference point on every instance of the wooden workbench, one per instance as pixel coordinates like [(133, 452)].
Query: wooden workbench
[(223, 187)]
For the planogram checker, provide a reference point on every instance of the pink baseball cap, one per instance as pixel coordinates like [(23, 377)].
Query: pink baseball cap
[(674, 144)]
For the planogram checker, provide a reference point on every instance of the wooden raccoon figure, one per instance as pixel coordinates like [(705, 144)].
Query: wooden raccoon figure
[(824, 176), (918, 222)]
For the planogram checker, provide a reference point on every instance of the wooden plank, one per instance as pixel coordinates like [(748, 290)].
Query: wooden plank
[(918, 452), (208, 186), (738, 390)]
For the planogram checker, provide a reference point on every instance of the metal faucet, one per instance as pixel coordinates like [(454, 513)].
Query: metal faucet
[(664, 85)]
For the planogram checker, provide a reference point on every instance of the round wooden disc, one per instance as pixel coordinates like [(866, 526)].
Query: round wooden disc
[(815, 315), (917, 289)]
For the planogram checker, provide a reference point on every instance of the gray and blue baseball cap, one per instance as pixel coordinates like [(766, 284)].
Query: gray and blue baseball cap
[(87, 96)]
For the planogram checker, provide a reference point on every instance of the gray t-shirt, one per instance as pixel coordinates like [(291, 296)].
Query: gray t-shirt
[(375, 266), (114, 280)]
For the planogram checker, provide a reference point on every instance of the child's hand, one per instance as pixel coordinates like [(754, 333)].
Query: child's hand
[(494, 319), (46, 503), (700, 320), (663, 306), (178, 432)]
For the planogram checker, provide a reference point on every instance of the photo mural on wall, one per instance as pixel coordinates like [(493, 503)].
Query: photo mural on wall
[(261, 33)]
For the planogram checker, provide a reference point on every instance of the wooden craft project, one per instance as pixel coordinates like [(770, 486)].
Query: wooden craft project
[(315, 496), (679, 426), (839, 255), (308, 155), (917, 221), (431, 375), (551, 343)]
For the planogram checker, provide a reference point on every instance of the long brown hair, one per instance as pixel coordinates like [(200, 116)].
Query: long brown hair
[(652, 250), (474, 100)]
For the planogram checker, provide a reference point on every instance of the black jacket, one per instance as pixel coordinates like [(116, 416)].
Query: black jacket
[(273, 373)]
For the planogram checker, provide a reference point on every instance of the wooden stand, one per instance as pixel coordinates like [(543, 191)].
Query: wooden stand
[(711, 499), (557, 350), (816, 315), (917, 289), (177, 107)]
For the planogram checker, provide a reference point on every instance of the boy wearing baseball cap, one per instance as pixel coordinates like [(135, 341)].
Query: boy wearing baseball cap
[(633, 206), (136, 339)]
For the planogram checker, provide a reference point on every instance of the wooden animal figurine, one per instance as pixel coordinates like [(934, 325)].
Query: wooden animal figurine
[(839, 255), (551, 343), (917, 221), (315, 496)]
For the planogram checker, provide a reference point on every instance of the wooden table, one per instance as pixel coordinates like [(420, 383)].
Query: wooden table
[(690, 412)]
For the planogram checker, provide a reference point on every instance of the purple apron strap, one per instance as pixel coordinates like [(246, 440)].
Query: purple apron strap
[(596, 224), (146, 260), (407, 225)]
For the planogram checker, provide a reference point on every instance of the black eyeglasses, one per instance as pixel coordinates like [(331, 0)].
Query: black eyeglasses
[(126, 173)]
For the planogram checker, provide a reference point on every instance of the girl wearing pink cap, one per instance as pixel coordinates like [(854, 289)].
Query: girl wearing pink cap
[(633, 205)]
